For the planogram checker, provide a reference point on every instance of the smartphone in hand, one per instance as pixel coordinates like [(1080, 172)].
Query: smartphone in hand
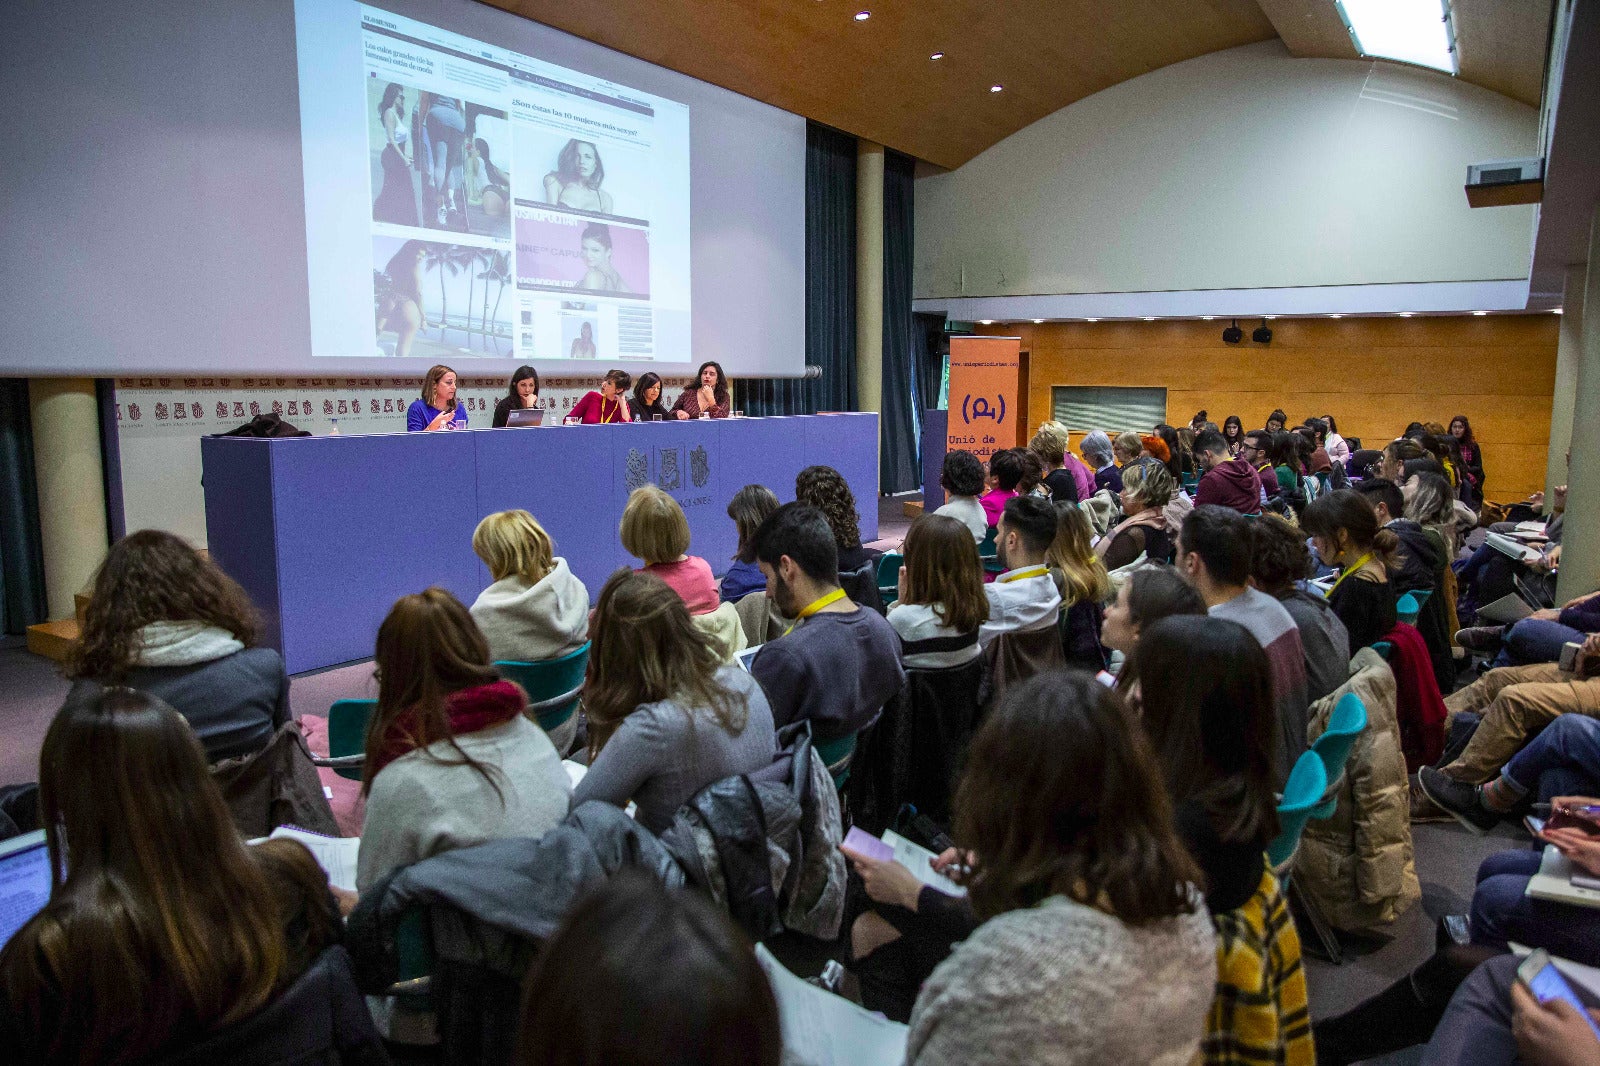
[(1540, 976)]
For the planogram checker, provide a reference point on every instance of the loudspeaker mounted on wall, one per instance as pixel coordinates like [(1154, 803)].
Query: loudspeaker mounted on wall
[(1233, 334)]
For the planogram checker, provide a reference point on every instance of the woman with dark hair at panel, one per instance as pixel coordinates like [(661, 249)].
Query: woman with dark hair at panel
[(607, 406), (941, 595), (1345, 534), (749, 508), (165, 620), (1279, 559), (645, 403), (825, 488), (709, 397), (162, 927), (1471, 460), (1150, 594), (397, 199), (1094, 945), (437, 408), (666, 716), (1084, 585), (1203, 691), (522, 393), (577, 178), (451, 760), (640, 974), (400, 306), (1147, 488), (1233, 434), (963, 478)]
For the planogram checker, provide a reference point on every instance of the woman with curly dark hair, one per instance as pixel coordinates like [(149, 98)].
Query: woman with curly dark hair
[(825, 488), (163, 619)]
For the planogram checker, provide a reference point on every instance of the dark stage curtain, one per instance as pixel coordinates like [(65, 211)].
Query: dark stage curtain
[(830, 287), (901, 424), (22, 599)]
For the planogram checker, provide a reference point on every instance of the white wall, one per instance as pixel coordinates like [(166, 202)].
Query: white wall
[(1242, 169)]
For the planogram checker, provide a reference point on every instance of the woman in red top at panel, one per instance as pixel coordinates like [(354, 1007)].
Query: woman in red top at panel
[(710, 397), (608, 405)]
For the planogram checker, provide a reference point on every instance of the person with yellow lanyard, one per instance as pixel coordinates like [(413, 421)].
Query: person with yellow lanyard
[(1345, 533), (1023, 597), (838, 664)]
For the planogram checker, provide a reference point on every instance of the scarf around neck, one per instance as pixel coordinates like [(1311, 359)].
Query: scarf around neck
[(469, 710), (1151, 517)]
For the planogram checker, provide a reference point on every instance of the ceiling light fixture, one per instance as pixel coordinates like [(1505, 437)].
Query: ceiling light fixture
[(937, 55), (1149, 318), (1207, 318), (996, 88), (1479, 314), (862, 16), (1335, 316), (1091, 320), (1408, 31), (985, 321), (1405, 314), (1555, 310), (1038, 321), (1270, 318)]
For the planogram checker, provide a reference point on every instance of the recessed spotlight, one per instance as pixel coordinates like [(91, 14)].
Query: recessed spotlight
[(1091, 320), (996, 88), (1555, 310), (985, 321), (1038, 321), (1271, 318), (937, 55), (1207, 318), (1335, 316), (1405, 314), (1479, 314), (1149, 318), (862, 16)]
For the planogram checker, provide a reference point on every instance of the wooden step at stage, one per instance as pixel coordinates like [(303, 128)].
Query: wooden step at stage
[(53, 640)]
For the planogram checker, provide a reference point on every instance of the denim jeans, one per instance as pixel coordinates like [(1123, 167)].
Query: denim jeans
[(1564, 760), (1535, 640), (1501, 912)]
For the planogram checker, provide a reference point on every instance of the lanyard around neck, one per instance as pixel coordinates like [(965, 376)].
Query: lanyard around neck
[(814, 606), (1019, 575), (1359, 563)]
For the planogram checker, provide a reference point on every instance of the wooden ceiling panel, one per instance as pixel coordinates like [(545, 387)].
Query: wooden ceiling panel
[(1503, 44), (874, 78)]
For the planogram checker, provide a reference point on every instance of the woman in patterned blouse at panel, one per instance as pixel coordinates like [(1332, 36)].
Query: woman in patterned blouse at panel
[(709, 397)]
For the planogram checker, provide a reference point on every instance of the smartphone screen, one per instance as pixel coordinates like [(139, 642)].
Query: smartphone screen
[(1548, 984)]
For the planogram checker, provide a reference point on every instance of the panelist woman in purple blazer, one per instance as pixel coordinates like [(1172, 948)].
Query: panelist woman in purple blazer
[(438, 407)]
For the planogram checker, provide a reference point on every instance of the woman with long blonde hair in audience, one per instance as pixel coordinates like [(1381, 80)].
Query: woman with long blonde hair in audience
[(941, 597), (162, 926), (666, 716), (1081, 578)]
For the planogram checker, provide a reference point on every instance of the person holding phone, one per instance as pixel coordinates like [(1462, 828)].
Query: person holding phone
[(1514, 1010), (438, 407)]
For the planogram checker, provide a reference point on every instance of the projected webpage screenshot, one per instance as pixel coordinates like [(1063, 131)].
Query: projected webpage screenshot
[(464, 200)]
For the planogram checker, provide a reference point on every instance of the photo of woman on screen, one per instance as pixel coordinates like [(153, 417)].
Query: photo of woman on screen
[(599, 273), (487, 185), (576, 180), (396, 201), (583, 343), (400, 306)]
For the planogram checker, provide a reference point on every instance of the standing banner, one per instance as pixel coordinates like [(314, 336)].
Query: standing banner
[(985, 395)]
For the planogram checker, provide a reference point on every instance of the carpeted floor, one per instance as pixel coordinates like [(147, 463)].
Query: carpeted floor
[(1447, 856)]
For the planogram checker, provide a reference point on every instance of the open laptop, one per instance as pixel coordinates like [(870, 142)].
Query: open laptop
[(525, 416), (24, 881)]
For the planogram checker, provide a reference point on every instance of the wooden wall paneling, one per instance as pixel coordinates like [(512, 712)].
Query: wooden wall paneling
[(1373, 375)]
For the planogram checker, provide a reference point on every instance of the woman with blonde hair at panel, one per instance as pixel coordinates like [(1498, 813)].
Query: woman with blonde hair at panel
[(655, 530)]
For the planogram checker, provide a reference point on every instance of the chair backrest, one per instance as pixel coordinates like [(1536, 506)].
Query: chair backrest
[(1406, 608), (889, 564), (1345, 723), (1421, 596), (547, 680), (1301, 794), (837, 756), (347, 732), (861, 585)]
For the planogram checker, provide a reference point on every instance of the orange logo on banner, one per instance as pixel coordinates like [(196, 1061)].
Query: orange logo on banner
[(985, 395)]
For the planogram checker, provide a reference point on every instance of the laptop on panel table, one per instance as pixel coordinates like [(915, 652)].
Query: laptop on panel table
[(525, 416), (24, 881)]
